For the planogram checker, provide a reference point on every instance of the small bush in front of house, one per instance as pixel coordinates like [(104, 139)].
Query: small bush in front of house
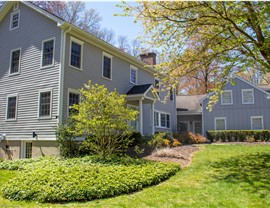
[(238, 135), (84, 179), (190, 138)]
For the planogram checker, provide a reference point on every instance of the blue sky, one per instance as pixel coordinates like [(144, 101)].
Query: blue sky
[(120, 25)]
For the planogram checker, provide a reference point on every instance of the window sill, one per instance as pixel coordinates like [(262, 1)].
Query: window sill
[(74, 67), (107, 78), (14, 74), (46, 67), (132, 83), (45, 118), (11, 120), (226, 103), (248, 103), (161, 127)]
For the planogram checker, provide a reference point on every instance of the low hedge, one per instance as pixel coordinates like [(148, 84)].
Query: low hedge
[(238, 135), (83, 179)]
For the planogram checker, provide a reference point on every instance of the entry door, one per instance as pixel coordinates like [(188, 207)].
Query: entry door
[(26, 149)]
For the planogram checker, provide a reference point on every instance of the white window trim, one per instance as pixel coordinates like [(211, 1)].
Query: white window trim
[(216, 118), (135, 69), (23, 147), (70, 90), (39, 92), (47, 66), (11, 20), (246, 90), (10, 59), (231, 98), (137, 107), (15, 6), (194, 122), (72, 39), (159, 119), (111, 57), (261, 117), (16, 110)]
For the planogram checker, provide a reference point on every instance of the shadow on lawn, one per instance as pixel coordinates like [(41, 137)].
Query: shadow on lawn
[(251, 172)]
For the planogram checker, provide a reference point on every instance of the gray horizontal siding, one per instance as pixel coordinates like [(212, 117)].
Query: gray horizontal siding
[(238, 115), (33, 29), (92, 70)]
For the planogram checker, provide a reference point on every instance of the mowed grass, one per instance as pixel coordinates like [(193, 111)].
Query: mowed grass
[(219, 176)]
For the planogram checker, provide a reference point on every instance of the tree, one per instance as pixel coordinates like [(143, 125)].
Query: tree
[(135, 48), (233, 34), (123, 43), (103, 118)]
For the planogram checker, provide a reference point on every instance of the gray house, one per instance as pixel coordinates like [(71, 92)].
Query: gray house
[(45, 60), (241, 106)]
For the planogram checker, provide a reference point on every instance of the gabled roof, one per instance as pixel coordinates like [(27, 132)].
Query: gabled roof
[(81, 33), (239, 78), (143, 92)]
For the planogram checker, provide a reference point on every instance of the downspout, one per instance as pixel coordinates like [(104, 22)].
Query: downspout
[(61, 74)]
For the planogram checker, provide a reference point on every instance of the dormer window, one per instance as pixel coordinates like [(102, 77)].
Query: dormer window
[(14, 20)]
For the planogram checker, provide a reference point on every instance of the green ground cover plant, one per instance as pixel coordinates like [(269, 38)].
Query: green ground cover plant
[(82, 179), (219, 176)]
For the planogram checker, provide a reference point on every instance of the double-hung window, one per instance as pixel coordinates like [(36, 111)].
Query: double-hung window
[(45, 103), (162, 119), (107, 66), (12, 107), (47, 52), (227, 98), (133, 75), (247, 96), (76, 53), (14, 20), (220, 123), (15, 59), (73, 98), (257, 122)]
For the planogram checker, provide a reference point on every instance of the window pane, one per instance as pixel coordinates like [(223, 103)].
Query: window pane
[(15, 61), (248, 96), (45, 104), (47, 53), (133, 76), (15, 20), (156, 118), (107, 67), (257, 123), (198, 127), (75, 58), (168, 120), (183, 126), (220, 124), (226, 97), (163, 120), (11, 109), (73, 99), (28, 150)]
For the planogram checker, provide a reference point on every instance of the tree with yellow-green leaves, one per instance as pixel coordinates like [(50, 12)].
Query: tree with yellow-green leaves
[(195, 35), (102, 117)]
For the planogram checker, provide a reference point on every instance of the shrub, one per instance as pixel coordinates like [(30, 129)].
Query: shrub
[(238, 135), (176, 143), (135, 138), (190, 138), (87, 178)]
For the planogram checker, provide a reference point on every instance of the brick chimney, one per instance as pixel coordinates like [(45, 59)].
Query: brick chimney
[(149, 58)]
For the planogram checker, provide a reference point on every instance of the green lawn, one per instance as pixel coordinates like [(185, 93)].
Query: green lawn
[(219, 176)]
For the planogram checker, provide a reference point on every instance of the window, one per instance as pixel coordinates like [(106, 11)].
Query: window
[(134, 124), (15, 6), (257, 122), (28, 150), (76, 53), (107, 66), (47, 52), (15, 57), (73, 98), (247, 96), (133, 75), (14, 20), (226, 98), (157, 85), (171, 94), (45, 103), (197, 127), (220, 123), (12, 107), (162, 119)]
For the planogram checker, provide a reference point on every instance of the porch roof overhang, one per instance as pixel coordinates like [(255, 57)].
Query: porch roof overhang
[(141, 92)]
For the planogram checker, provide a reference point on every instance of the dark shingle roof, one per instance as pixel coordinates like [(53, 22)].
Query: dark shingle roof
[(139, 89), (189, 102)]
